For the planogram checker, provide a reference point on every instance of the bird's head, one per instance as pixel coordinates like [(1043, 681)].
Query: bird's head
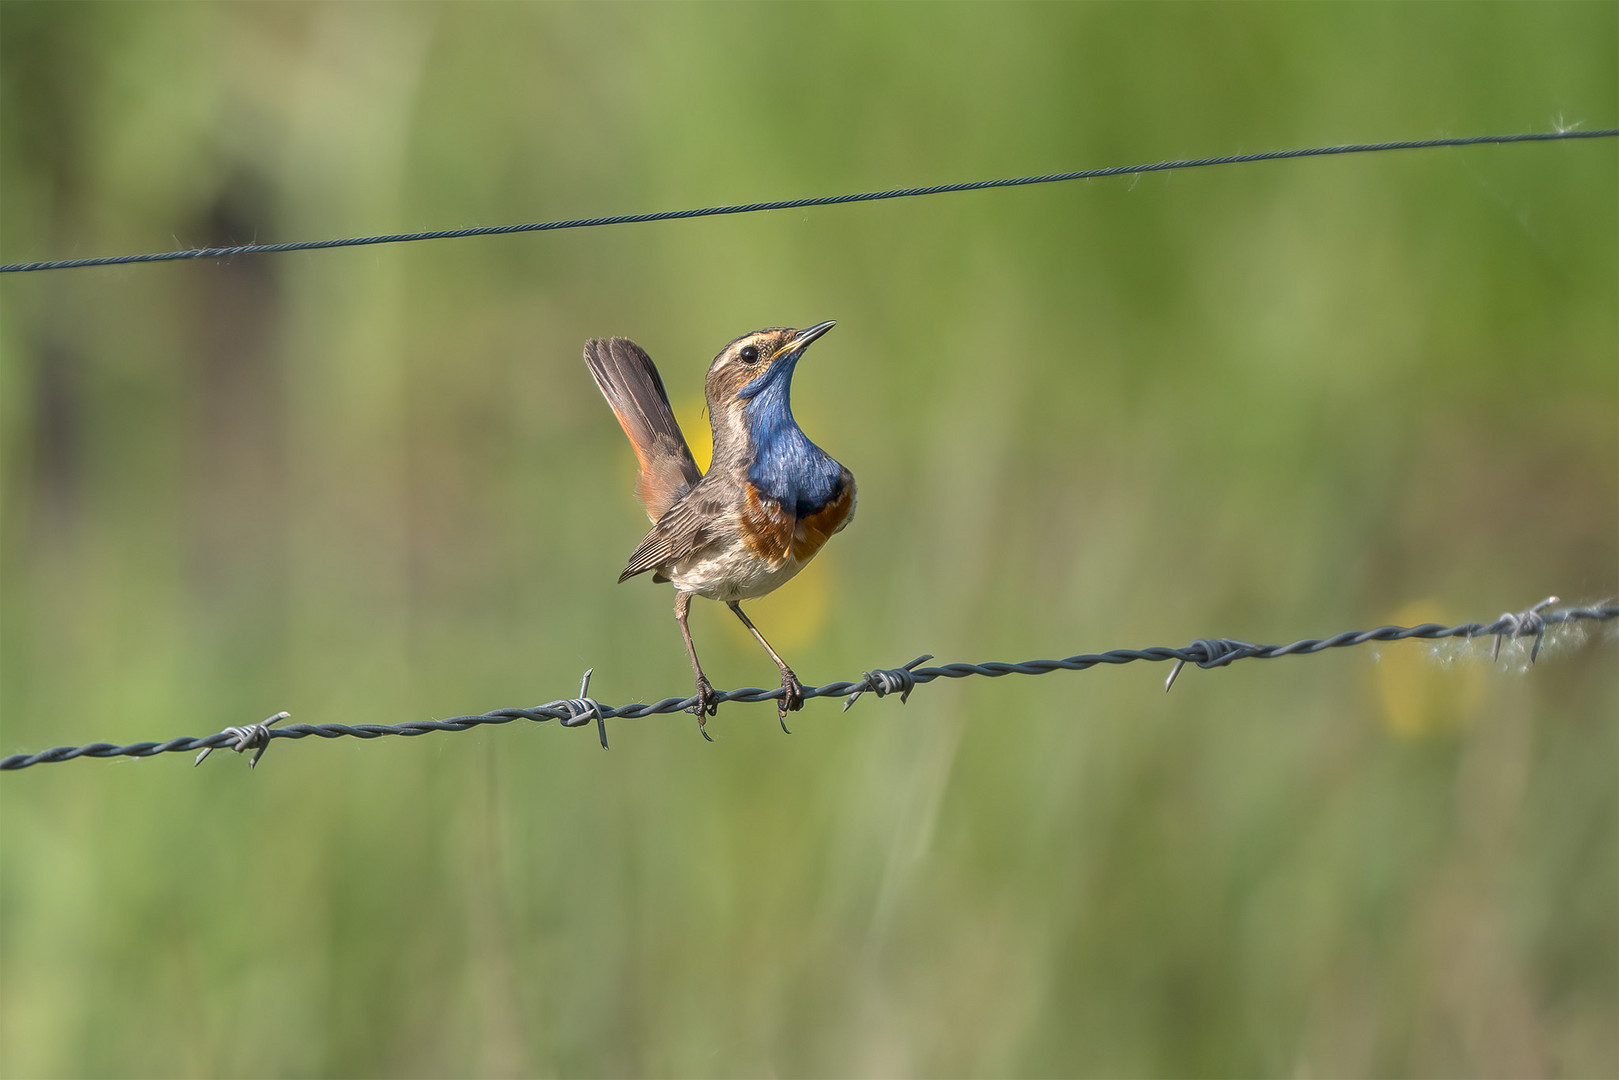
[(756, 369)]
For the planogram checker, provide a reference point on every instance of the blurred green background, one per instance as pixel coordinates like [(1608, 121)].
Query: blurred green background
[(377, 485)]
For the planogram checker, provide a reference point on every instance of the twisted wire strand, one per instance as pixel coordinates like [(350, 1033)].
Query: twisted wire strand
[(581, 711), (794, 204)]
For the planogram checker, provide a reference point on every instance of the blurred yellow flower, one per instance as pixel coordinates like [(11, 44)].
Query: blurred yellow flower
[(792, 616), (1427, 688), (693, 416)]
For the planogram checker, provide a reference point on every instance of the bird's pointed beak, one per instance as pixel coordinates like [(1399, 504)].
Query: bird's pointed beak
[(805, 337)]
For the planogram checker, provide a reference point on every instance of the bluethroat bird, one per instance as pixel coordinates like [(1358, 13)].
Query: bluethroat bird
[(769, 501)]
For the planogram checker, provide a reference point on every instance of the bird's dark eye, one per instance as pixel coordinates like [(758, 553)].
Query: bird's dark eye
[(750, 355)]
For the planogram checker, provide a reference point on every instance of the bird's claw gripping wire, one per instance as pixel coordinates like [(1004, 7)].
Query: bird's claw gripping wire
[(792, 698), (1521, 623), (254, 737), (582, 709), (1213, 652), (885, 681), (705, 704)]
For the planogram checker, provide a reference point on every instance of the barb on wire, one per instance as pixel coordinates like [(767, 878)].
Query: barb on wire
[(794, 204), (884, 681), (255, 738), (576, 712), (1524, 623), (582, 709)]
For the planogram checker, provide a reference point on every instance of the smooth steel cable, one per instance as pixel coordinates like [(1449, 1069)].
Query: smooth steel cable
[(793, 204)]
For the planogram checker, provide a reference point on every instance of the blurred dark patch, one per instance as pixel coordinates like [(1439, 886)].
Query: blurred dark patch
[(58, 457), (41, 62), (234, 432), (50, 133)]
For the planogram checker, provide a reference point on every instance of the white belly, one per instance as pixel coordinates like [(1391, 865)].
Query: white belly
[(731, 572)]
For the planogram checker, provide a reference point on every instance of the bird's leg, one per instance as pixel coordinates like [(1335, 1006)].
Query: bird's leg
[(706, 705), (792, 691)]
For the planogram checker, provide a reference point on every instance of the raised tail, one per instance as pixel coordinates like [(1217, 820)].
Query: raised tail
[(628, 380)]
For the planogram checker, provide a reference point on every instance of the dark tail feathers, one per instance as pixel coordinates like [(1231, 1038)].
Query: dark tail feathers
[(629, 381)]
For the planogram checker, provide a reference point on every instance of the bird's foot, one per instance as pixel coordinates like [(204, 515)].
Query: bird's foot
[(706, 705), (792, 697)]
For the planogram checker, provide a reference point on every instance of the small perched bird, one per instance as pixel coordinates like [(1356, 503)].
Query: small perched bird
[(768, 502)]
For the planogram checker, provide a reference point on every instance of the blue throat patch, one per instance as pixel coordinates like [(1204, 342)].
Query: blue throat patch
[(787, 467)]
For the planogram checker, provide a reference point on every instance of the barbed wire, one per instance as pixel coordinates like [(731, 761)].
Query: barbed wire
[(583, 710), (794, 204)]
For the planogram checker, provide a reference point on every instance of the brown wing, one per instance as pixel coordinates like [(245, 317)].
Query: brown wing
[(685, 528), (629, 381)]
